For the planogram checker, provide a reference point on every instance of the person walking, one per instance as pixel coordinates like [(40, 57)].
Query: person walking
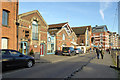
[(101, 52), (97, 51)]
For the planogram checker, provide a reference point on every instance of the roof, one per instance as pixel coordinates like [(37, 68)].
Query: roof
[(53, 31), (54, 28), (59, 25), (101, 28), (31, 12), (80, 30)]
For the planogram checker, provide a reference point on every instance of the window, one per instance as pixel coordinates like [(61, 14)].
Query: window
[(4, 43), (101, 34), (63, 36), (5, 17), (34, 30), (5, 53), (49, 39), (14, 53), (73, 39)]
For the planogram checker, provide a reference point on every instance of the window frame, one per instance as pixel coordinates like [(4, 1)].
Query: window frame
[(3, 17), (35, 26), (63, 36)]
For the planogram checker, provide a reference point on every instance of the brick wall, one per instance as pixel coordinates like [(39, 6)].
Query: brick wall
[(0, 22), (26, 24), (60, 41), (10, 31), (105, 38)]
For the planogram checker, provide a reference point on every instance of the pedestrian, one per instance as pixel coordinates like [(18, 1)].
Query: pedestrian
[(109, 51), (101, 52), (97, 51)]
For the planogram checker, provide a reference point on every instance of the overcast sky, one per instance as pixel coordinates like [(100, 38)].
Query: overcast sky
[(76, 13)]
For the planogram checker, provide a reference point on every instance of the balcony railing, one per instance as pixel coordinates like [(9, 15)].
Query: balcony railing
[(35, 36)]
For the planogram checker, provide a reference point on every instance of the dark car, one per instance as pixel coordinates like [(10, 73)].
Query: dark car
[(78, 51), (12, 58), (68, 51)]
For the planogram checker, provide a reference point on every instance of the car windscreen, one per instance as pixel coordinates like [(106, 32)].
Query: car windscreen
[(65, 48), (71, 48)]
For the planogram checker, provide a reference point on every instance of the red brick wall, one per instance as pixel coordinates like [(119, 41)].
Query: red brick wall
[(80, 38), (42, 30), (10, 32), (60, 41), (0, 22), (104, 38)]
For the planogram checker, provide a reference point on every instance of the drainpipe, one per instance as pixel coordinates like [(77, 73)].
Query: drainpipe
[(17, 22)]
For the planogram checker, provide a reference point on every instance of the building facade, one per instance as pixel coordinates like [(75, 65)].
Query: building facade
[(61, 36), (101, 36), (32, 33), (83, 37), (9, 13), (113, 40)]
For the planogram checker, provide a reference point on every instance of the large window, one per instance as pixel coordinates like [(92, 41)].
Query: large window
[(63, 36), (34, 30), (5, 17), (4, 43)]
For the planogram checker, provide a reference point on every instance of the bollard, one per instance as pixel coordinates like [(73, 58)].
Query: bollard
[(117, 62)]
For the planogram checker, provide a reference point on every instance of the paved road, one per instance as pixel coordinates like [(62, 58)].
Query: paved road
[(51, 70)]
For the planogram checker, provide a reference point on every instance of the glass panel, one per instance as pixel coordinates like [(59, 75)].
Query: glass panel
[(34, 30), (4, 43), (14, 53), (5, 18)]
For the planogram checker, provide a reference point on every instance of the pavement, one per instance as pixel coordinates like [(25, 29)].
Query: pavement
[(98, 68), (52, 58)]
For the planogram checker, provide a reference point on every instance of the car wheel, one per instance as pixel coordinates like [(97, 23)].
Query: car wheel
[(29, 64)]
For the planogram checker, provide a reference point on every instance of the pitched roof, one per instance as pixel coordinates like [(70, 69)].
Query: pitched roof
[(54, 28), (80, 30), (59, 25), (53, 31), (100, 27), (31, 12)]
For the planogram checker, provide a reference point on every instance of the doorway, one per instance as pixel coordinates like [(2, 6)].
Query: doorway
[(24, 47), (42, 49)]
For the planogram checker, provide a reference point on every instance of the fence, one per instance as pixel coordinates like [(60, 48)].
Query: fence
[(116, 57)]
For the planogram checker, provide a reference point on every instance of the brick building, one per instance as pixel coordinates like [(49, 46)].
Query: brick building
[(101, 36), (83, 36), (119, 42), (8, 16), (32, 33), (113, 40), (63, 36)]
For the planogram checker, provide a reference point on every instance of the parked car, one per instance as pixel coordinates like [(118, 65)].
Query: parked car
[(12, 58), (78, 51), (68, 51), (58, 52)]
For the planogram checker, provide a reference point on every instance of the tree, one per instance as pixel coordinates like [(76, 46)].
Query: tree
[(32, 52)]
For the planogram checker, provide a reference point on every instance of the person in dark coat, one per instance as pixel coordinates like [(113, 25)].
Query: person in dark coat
[(101, 52), (97, 51)]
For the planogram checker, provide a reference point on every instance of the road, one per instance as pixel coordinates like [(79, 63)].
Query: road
[(61, 69)]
